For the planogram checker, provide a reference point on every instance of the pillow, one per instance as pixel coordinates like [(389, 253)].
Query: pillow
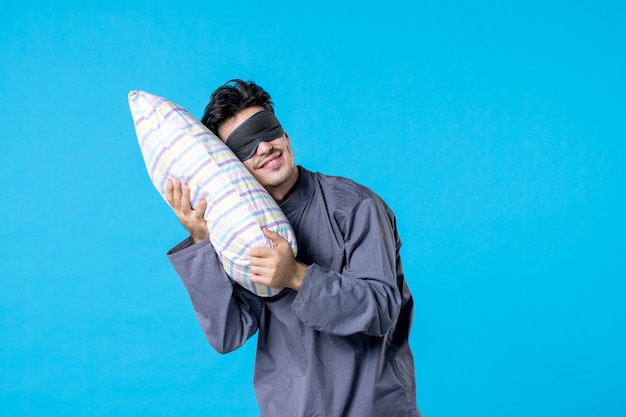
[(174, 144)]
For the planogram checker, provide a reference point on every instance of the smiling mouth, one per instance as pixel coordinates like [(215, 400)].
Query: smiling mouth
[(271, 162)]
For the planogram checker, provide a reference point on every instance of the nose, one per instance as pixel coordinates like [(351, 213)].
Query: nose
[(263, 148)]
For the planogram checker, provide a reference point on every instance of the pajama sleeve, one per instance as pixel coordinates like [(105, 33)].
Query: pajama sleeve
[(363, 297), (228, 314)]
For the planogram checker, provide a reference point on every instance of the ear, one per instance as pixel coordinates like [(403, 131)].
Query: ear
[(288, 138)]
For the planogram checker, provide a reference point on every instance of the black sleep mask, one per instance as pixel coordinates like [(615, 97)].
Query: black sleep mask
[(260, 127)]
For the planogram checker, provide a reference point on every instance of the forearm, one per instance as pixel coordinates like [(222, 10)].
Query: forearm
[(360, 293), (341, 304), (227, 313)]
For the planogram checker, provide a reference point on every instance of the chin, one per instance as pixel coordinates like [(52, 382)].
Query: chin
[(277, 178)]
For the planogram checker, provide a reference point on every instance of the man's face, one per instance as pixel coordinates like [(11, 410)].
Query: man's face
[(273, 162)]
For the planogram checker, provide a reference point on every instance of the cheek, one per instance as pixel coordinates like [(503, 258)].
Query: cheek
[(289, 151), (250, 167), (248, 164)]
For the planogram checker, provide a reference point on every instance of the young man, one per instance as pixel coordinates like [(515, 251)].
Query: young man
[(335, 341)]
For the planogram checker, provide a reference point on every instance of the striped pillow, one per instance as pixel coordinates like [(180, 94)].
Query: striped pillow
[(174, 144)]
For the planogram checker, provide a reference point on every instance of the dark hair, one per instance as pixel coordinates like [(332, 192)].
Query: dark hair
[(232, 97)]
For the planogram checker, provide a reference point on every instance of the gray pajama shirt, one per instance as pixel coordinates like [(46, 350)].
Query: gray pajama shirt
[(339, 346)]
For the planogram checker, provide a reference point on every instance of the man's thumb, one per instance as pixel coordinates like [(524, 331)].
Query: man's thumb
[(271, 235)]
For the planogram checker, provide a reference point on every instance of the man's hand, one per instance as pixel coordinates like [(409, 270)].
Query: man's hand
[(276, 267), (193, 220)]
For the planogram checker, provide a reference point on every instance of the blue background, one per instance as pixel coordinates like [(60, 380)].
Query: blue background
[(495, 130)]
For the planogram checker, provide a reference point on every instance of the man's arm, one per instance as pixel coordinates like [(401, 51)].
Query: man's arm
[(228, 314), (364, 296)]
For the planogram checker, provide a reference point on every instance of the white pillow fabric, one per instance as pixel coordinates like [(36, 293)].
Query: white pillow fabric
[(175, 145)]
